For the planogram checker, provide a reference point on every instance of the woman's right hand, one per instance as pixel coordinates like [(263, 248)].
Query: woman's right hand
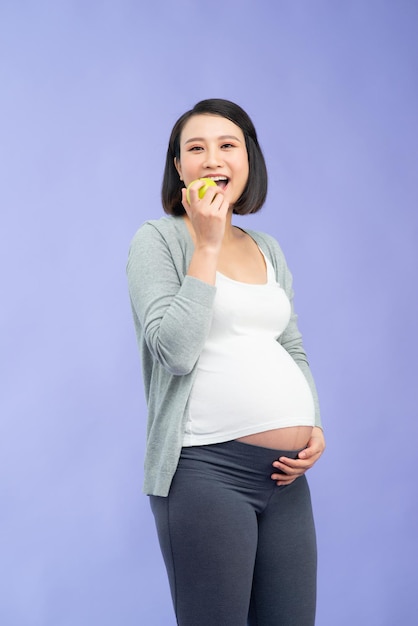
[(207, 216)]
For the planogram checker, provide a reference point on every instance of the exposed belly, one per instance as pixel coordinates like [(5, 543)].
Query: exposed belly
[(291, 438)]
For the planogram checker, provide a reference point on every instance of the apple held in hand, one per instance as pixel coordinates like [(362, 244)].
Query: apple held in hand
[(208, 182)]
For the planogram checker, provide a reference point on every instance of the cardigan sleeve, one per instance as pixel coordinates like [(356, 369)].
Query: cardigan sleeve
[(291, 340), (173, 311)]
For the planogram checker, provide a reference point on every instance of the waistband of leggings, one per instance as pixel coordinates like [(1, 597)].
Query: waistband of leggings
[(249, 454)]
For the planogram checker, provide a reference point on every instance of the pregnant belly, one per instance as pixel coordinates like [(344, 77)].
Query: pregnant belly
[(251, 391), (291, 438)]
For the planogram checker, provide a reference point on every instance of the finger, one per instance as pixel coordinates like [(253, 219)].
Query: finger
[(196, 185), (219, 204), (312, 449), (292, 467), (312, 454), (285, 480), (213, 197), (284, 461), (287, 475), (189, 208), (184, 202), (285, 484), (192, 194), (224, 208)]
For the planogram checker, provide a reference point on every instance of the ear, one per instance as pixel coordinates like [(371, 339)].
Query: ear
[(178, 167)]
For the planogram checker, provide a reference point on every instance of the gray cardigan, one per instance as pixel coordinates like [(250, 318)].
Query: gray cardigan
[(172, 315)]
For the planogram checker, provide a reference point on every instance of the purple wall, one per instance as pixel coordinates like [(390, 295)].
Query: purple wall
[(88, 94)]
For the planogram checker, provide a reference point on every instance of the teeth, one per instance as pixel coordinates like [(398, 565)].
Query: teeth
[(215, 178)]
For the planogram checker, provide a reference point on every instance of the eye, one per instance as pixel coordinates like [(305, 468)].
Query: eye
[(227, 145), (195, 149)]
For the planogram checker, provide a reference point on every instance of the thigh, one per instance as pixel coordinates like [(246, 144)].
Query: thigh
[(208, 537), (284, 586)]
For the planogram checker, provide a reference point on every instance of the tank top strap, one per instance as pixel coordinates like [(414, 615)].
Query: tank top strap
[(271, 274)]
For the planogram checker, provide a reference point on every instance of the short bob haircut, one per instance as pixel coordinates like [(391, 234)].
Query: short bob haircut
[(254, 194)]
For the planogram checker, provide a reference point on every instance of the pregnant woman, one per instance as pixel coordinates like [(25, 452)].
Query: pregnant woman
[(233, 416)]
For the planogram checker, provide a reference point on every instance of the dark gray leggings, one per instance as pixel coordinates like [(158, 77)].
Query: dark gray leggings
[(238, 549)]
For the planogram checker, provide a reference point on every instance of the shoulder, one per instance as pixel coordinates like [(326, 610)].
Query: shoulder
[(166, 232), (161, 240), (164, 227)]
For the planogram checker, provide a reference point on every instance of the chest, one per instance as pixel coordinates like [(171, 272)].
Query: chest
[(243, 262)]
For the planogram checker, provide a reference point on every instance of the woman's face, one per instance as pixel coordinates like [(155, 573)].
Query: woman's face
[(214, 147)]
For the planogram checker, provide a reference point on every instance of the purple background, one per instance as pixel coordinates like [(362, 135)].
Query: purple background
[(89, 91)]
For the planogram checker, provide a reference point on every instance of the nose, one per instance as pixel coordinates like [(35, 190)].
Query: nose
[(213, 158)]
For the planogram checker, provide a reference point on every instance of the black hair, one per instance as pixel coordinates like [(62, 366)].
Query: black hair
[(255, 191)]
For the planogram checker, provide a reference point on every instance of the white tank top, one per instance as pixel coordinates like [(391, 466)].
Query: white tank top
[(246, 382)]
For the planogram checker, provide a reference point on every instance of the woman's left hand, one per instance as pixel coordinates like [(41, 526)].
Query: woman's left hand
[(293, 468)]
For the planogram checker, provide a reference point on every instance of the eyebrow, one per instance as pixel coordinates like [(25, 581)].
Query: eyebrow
[(222, 137)]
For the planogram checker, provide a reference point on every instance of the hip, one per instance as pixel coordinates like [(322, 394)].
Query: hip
[(232, 463)]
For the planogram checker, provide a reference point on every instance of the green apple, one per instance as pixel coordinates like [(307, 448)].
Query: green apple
[(208, 182)]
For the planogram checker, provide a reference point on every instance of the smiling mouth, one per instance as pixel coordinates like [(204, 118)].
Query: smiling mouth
[(221, 181)]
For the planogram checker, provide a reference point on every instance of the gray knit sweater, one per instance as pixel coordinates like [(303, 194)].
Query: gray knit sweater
[(172, 315)]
